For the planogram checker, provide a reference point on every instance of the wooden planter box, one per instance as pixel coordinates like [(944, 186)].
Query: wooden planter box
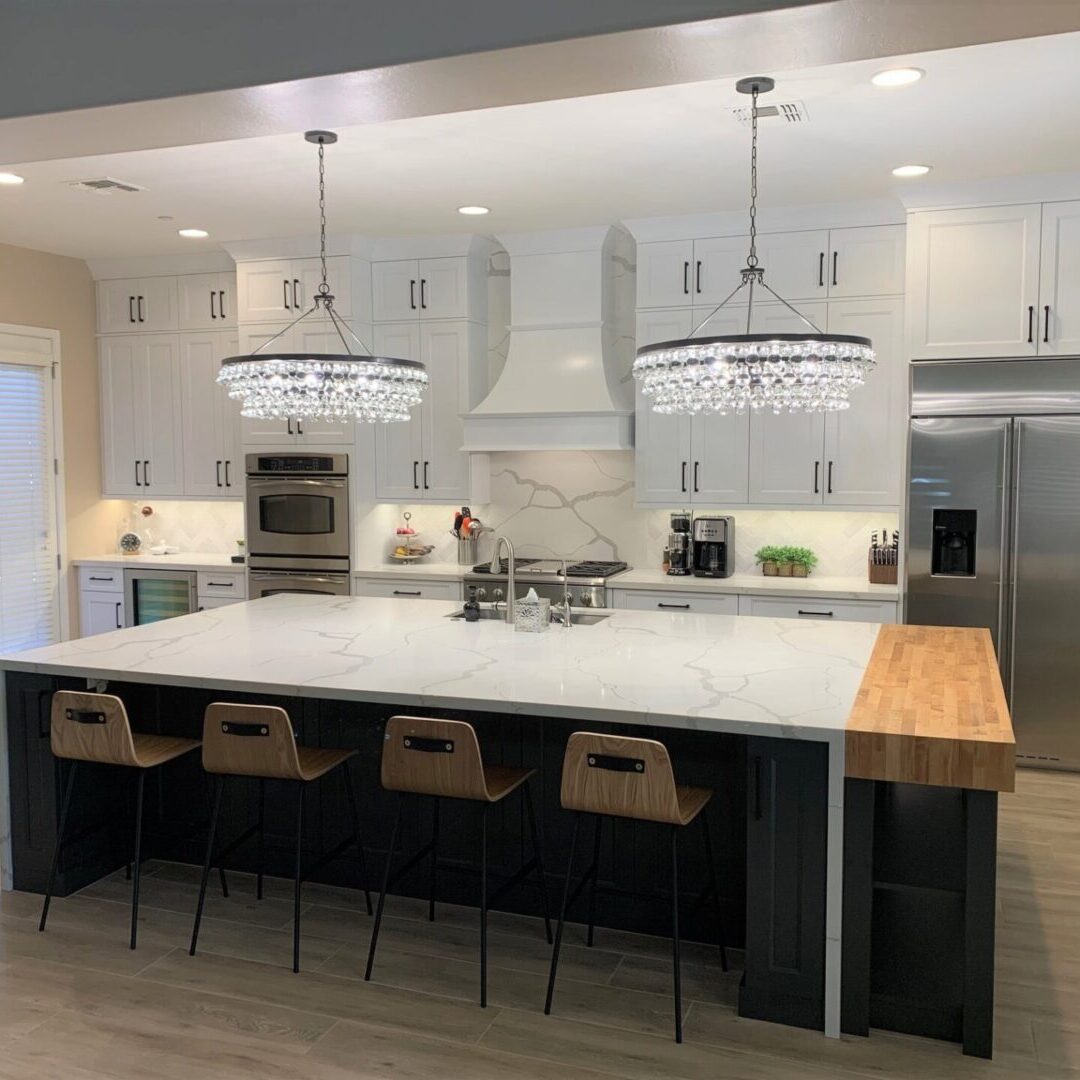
[(770, 569)]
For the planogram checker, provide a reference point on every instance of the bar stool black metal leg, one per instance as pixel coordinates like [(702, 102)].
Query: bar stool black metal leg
[(434, 857), (483, 904), (139, 800), (385, 885), (595, 870), (65, 805), (715, 888), (350, 794), (218, 787), (261, 824), (296, 883), (531, 813), (562, 915), (675, 930)]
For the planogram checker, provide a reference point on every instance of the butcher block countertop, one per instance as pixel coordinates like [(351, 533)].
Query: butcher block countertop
[(931, 710)]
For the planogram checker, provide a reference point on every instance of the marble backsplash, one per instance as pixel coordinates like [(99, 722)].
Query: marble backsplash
[(580, 504), (210, 526)]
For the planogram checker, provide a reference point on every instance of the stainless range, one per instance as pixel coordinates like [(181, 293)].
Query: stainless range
[(585, 581)]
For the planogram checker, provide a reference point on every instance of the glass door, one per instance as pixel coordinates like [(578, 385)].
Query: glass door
[(154, 595)]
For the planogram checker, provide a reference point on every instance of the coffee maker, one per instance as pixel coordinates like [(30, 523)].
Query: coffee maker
[(680, 555), (713, 546)]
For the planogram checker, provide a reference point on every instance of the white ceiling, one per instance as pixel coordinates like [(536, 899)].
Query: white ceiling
[(985, 111)]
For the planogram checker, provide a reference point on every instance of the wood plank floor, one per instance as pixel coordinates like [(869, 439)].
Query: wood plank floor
[(76, 1003)]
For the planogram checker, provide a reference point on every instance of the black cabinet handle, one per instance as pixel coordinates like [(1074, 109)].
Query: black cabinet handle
[(131, 309), (817, 476), (299, 426), (681, 607), (119, 623), (821, 270), (828, 482), (221, 303), (697, 276), (426, 484), (139, 308), (218, 466), (423, 293), (222, 584), (146, 473), (285, 293), (228, 482), (683, 483), (816, 614), (415, 478), (835, 256), (757, 788), (1046, 324), (697, 467), (296, 294), (412, 293), (92, 578), (686, 278), (137, 484), (212, 315), (1031, 316), (288, 421), (403, 592)]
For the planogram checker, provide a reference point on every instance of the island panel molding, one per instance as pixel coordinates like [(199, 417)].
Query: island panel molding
[(931, 710)]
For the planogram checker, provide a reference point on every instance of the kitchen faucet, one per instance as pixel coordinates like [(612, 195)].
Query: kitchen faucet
[(496, 568), (565, 597)]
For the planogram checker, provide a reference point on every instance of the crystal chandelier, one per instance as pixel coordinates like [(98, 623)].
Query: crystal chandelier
[(323, 386), (810, 372)]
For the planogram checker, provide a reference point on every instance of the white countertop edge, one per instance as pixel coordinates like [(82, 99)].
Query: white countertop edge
[(180, 561)]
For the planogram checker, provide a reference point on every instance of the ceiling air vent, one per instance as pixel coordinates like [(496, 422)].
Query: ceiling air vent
[(104, 185), (794, 112)]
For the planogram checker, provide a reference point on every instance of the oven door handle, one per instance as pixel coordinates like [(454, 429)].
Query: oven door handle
[(278, 482), (268, 575)]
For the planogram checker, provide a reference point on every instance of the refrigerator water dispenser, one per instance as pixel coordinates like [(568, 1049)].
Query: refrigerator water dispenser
[(953, 545)]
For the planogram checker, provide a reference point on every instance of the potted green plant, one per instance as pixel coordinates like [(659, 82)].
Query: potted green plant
[(770, 557), (802, 560)]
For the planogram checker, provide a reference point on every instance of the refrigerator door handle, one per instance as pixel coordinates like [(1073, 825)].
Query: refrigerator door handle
[(1009, 556)]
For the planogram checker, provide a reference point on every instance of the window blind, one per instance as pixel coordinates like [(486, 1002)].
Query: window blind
[(29, 579)]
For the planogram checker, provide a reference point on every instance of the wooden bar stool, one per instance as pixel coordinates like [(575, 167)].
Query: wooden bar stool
[(613, 776), (441, 759), (258, 741), (89, 727)]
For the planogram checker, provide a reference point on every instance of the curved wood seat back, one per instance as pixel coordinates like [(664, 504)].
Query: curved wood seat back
[(433, 757), (250, 740), (91, 727), (623, 777)]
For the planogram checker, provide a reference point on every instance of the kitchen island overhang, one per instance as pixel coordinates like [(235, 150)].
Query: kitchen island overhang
[(786, 688)]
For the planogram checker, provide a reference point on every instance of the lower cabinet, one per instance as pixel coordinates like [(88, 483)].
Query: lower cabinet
[(671, 600), (408, 588), (100, 612), (879, 611)]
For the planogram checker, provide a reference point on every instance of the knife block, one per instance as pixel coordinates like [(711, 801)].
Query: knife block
[(881, 575)]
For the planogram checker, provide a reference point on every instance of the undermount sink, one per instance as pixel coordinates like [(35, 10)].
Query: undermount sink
[(577, 618)]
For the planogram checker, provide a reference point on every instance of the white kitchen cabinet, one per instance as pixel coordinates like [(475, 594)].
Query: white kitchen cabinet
[(973, 282), (228, 585), (207, 301), (213, 466), (864, 445), (421, 459), (715, 270), (675, 600), (141, 415), (812, 607), (663, 274), (101, 579), (408, 588), (100, 612), (796, 263), (864, 261), (137, 305), (1059, 280), (445, 288), (280, 290)]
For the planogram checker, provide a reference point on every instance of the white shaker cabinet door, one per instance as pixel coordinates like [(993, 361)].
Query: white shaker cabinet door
[(100, 612), (864, 444), (1059, 280), (664, 272), (264, 291), (257, 433), (396, 290), (866, 261), (202, 300), (116, 306), (973, 282), (796, 264), (444, 470), (444, 288), (306, 277), (159, 417), (398, 445), (212, 464), (714, 272), (121, 467)]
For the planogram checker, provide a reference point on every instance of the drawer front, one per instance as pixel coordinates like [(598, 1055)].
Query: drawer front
[(101, 578), (225, 584), (672, 600), (825, 610), (409, 589), (208, 603)]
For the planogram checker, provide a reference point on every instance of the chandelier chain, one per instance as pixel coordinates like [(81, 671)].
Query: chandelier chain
[(751, 259), (324, 288)]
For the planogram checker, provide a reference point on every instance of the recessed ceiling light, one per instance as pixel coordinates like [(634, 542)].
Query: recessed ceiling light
[(473, 210), (904, 76), (193, 234), (911, 170), (10, 178)]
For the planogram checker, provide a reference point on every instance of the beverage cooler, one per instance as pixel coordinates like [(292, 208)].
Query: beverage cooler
[(153, 595)]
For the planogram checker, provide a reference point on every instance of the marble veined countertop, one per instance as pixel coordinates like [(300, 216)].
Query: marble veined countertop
[(181, 561), (744, 674)]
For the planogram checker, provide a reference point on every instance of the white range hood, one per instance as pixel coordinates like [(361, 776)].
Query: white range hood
[(567, 382)]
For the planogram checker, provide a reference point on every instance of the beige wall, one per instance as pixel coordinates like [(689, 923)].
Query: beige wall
[(52, 291)]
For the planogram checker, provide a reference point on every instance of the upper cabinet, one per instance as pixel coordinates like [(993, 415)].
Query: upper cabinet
[(207, 301), (1059, 280), (802, 265), (137, 305), (213, 467), (448, 288), (280, 290)]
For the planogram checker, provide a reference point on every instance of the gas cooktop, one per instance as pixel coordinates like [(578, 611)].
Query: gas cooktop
[(595, 569)]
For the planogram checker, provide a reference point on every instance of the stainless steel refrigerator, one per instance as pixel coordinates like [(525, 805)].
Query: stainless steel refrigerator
[(993, 528)]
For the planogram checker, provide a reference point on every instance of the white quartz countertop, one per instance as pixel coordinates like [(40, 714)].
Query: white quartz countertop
[(750, 675), (181, 561), (835, 588)]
